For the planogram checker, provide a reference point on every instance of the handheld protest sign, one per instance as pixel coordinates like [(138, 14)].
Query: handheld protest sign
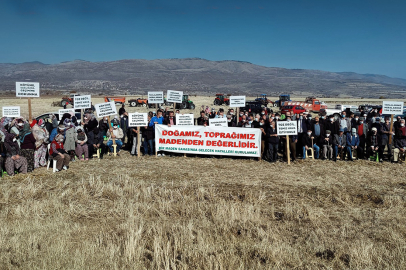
[(61, 112), (392, 108), (218, 122), (237, 101), (106, 109), (82, 103), (174, 96), (185, 119), (286, 128), (156, 97), (138, 120), (11, 111), (29, 90)]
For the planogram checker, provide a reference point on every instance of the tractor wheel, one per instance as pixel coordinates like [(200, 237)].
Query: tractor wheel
[(216, 102), (63, 102), (192, 106), (275, 104), (183, 106), (144, 104), (133, 103)]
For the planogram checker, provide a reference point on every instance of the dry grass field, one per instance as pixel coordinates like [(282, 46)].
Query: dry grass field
[(203, 213)]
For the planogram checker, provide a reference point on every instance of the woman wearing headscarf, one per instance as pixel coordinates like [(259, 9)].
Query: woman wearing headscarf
[(81, 145), (13, 158), (59, 154), (90, 122), (70, 138), (41, 136), (27, 145), (3, 127), (16, 125)]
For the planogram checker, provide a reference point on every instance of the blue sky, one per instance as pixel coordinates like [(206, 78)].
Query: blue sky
[(360, 36)]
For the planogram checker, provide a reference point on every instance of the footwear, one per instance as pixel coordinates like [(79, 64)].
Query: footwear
[(86, 159), (159, 155), (118, 154), (380, 160), (64, 167), (56, 170), (163, 155)]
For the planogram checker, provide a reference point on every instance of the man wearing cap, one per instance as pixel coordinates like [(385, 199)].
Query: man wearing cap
[(374, 144), (327, 144), (352, 142), (339, 143), (117, 134), (400, 141)]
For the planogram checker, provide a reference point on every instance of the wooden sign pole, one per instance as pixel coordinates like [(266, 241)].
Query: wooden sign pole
[(139, 142), (237, 116), (390, 130), (109, 122), (83, 116), (174, 108), (29, 110), (287, 149)]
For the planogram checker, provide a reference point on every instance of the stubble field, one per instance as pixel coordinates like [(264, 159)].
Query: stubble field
[(203, 213)]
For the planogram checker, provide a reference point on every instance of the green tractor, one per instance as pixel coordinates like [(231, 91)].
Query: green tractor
[(186, 103)]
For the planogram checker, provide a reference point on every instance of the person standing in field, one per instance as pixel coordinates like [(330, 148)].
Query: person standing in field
[(148, 136), (157, 120), (41, 136), (27, 145), (13, 159)]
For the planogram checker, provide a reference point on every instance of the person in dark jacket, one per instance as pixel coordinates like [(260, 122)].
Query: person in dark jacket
[(14, 161), (27, 145), (318, 131), (339, 142), (148, 136), (400, 142), (90, 122), (95, 142), (332, 125), (374, 144), (170, 120), (327, 144), (126, 130), (202, 120), (308, 142), (352, 142), (272, 139), (121, 111), (103, 126)]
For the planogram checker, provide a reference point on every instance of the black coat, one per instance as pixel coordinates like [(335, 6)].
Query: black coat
[(271, 139), (307, 140)]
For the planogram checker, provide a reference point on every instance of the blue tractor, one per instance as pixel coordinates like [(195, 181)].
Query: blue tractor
[(263, 100), (282, 98)]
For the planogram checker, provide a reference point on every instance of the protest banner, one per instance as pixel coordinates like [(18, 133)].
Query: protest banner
[(286, 128), (82, 102), (237, 101), (62, 111), (156, 97), (28, 90), (185, 119), (138, 120), (11, 111), (174, 96), (228, 141), (105, 109), (218, 122), (392, 108)]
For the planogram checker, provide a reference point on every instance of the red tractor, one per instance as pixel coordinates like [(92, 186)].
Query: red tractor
[(221, 99)]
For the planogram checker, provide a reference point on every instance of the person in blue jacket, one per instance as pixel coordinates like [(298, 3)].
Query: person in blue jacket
[(158, 119), (352, 143)]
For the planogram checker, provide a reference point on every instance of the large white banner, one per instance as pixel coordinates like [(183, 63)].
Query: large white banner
[(228, 141), (174, 96), (27, 89), (82, 102), (106, 109), (137, 119), (185, 119), (392, 107), (12, 111), (155, 97), (237, 101)]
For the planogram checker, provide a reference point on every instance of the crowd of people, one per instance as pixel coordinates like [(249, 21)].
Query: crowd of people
[(26, 146)]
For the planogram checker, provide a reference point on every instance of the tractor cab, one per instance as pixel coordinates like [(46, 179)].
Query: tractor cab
[(284, 97)]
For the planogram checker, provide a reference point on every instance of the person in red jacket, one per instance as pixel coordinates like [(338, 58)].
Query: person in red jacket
[(59, 154)]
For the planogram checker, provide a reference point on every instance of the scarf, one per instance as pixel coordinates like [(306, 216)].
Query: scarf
[(25, 131)]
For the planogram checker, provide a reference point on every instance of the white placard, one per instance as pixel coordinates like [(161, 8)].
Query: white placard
[(27, 89), (185, 119), (12, 111), (237, 101), (286, 128), (137, 119), (174, 96), (63, 111), (218, 122), (82, 102), (392, 107), (155, 97), (106, 109)]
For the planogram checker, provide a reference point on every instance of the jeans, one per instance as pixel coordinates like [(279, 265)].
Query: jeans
[(316, 151), (110, 145), (349, 151), (148, 147), (336, 152)]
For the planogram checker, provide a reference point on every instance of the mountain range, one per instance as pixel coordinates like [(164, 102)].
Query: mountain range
[(197, 76)]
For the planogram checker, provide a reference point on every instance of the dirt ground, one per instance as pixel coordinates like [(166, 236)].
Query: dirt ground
[(203, 213)]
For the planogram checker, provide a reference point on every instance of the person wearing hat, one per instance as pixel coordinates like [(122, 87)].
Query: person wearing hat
[(339, 143), (352, 142), (374, 144), (327, 144), (362, 131)]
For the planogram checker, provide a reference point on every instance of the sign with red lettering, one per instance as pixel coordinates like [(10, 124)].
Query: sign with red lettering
[(227, 141)]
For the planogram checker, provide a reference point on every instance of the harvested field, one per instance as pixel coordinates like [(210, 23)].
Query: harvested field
[(205, 213)]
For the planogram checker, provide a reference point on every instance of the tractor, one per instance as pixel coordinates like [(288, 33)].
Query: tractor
[(68, 100), (263, 100), (282, 98), (221, 99), (186, 103)]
